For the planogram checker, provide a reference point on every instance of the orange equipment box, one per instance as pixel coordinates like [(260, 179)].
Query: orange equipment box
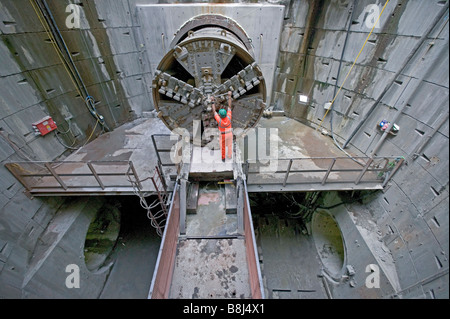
[(44, 126)]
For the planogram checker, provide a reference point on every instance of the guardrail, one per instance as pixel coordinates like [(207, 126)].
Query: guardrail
[(75, 176), (321, 171)]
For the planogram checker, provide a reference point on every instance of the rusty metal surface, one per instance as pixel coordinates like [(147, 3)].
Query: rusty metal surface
[(210, 218), (212, 260), (209, 61), (162, 277), (254, 270)]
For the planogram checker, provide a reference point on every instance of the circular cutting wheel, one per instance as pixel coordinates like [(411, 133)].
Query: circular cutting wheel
[(208, 58)]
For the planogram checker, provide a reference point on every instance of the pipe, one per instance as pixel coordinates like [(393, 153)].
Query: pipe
[(71, 67), (407, 60), (429, 136), (260, 47)]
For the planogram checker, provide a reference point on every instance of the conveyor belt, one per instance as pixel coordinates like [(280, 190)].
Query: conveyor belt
[(210, 250)]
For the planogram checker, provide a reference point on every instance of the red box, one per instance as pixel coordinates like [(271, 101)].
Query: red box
[(44, 126)]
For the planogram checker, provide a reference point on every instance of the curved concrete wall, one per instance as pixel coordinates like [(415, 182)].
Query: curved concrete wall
[(406, 56), (412, 213), (42, 251), (34, 84)]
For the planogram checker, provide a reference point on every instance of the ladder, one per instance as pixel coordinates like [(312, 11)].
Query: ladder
[(157, 211)]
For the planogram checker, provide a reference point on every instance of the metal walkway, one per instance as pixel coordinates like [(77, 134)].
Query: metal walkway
[(69, 178), (119, 162), (208, 247), (98, 177), (72, 178), (321, 174)]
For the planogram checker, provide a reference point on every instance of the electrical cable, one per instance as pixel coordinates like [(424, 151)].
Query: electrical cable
[(105, 94), (64, 46), (69, 130), (350, 202), (66, 132), (64, 144), (53, 42), (73, 72), (400, 71), (46, 27), (16, 148)]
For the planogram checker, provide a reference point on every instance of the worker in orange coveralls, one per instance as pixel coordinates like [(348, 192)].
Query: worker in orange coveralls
[(223, 119)]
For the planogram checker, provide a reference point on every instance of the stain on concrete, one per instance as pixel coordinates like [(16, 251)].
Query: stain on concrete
[(217, 268)]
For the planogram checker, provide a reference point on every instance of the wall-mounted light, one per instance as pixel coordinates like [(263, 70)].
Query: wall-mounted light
[(302, 98)]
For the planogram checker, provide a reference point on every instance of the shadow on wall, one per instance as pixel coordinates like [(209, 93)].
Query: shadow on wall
[(356, 263), (57, 268), (101, 238), (329, 243)]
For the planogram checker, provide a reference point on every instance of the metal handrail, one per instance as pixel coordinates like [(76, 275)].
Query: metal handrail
[(328, 157), (162, 150), (21, 171), (366, 167)]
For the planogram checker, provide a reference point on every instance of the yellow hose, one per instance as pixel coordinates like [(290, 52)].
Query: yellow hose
[(365, 42)]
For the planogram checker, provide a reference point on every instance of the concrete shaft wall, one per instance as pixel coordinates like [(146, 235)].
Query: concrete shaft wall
[(412, 214), (407, 56), (33, 84)]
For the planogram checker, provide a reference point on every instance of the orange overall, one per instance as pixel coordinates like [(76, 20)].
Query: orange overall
[(226, 134)]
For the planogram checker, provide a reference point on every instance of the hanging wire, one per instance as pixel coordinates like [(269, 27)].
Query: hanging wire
[(64, 144), (73, 74), (69, 130)]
